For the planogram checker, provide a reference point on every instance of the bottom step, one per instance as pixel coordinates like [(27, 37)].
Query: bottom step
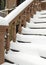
[(6, 63)]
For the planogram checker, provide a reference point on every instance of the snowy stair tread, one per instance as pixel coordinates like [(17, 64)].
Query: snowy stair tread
[(30, 38), (39, 20), (33, 25), (25, 59), (33, 48), (43, 1), (33, 31), (41, 12), (39, 16)]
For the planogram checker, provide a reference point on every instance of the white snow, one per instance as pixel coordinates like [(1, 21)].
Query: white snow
[(31, 38), (34, 48), (24, 59), (24, 48), (2, 21)]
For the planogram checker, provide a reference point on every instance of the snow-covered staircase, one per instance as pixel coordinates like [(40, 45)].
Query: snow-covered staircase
[(30, 45), (30, 48)]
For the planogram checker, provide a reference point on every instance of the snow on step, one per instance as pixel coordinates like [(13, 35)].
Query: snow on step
[(33, 25), (39, 16), (23, 47), (41, 12), (33, 31), (30, 38), (24, 59), (30, 48), (5, 63), (39, 20), (43, 1)]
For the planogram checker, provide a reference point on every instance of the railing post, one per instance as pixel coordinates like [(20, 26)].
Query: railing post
[(34, 8), (37, 5), (19, 27), (23, 19), (14, 32), (28, 14), (7, 40), (1, 48), (32, 11)]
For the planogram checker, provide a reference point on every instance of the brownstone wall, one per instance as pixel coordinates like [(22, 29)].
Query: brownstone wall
[(2, 34), (10, 3), (1, 48)]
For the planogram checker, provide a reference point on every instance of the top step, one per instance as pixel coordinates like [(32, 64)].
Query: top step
[(43, 1), (38, 20), (41, 12), (37, 26), (39, 16), (5, 63), (28, 31)]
